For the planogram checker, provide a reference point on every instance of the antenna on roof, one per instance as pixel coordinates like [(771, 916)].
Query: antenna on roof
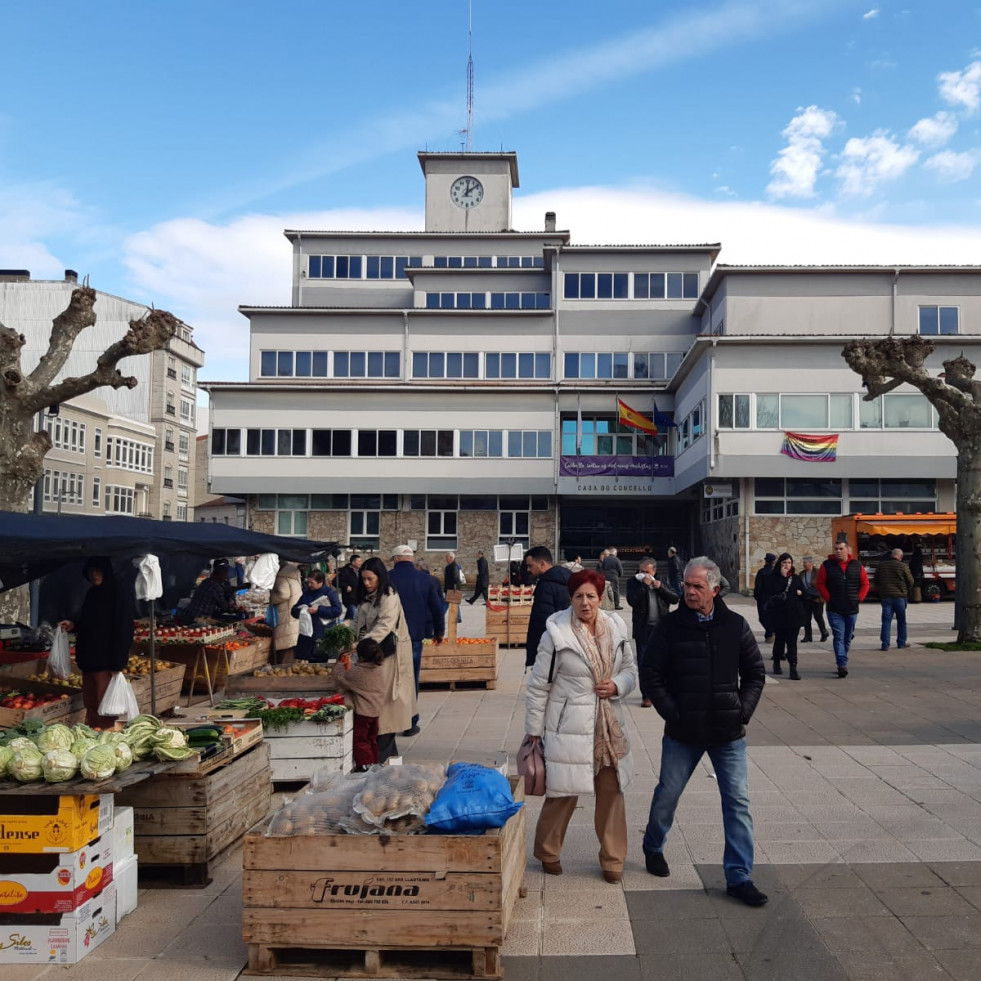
[(469, 130)]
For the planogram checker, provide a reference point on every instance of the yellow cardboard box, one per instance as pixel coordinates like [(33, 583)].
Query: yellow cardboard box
[(53, 823)]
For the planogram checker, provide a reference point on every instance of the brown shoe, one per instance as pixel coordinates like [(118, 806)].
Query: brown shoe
[(613, 877), (552, 868), (646, 703)]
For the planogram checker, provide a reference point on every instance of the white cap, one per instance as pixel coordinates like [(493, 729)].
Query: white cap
[(400, 551)]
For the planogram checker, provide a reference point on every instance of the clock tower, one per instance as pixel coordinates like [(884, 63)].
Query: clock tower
[(469, 192)]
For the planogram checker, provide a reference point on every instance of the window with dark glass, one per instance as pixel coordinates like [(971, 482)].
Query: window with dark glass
[(267, 363)]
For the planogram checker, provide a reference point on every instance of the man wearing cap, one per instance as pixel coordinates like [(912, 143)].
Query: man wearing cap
[(213, 597), (419, 595), (760, 592)]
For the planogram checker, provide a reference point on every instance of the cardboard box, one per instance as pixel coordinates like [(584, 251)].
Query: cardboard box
[(122, 834), (50, 823), (48, 938), (125, 877), (55, 883)]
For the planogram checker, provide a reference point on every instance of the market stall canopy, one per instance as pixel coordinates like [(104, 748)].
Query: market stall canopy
[(913, 525), (32, 545)]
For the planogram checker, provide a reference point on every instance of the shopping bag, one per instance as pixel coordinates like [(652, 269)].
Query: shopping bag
[(120, 699), (306, 623), (531, 766), (59, 660), (272, 615)]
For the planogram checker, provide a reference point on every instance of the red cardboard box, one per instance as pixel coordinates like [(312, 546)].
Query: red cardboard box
[(55, 883)]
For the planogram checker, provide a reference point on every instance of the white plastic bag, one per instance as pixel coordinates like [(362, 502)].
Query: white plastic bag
[(59, 660), (120, 699), (149, 585), (306, 623)]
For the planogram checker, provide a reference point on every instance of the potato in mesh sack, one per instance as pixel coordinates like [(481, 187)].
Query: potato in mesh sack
[(326, 813), (396, 799)]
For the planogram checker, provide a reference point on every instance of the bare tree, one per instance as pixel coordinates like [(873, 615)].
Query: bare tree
[(23, 396), (889, 362)]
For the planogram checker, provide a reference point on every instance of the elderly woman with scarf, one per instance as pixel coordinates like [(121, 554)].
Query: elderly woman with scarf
[(574, 704), (379, 615), (103, 634)]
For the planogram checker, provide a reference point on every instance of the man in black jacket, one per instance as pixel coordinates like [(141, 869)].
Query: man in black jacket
[(483, 580), (704, 673), (551, 595), (649, 599), (349, 585), (760, 592)]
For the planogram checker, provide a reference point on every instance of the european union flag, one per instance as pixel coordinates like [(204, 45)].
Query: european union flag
[(660, 419)]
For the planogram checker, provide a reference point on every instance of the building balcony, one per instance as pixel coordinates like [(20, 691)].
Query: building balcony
[(171, 372), (169, 447), (171, 410), (168, 481)]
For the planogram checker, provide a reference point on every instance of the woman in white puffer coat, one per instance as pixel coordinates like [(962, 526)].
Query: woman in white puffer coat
[(574, 704)]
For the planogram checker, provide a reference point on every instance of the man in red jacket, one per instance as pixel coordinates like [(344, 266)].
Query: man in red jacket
[(843, 584)]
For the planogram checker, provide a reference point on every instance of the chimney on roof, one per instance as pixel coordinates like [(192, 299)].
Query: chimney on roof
[(15, 276), (71, 276), (549, 221)]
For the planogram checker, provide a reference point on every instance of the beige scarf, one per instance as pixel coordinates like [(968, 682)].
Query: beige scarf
[(610, 741)]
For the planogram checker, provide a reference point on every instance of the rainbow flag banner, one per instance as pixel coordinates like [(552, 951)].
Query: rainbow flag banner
[(810, 449), (629, 417)]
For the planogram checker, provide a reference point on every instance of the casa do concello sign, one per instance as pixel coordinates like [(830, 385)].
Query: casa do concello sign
[(616, 474)]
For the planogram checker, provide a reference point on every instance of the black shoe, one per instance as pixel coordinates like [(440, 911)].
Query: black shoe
[(656, 864), (414, 731), (824, 637), (776, 667), (617, 607), (842, 672), (747, 893), (807, 640), (768, 636), (794, 676)]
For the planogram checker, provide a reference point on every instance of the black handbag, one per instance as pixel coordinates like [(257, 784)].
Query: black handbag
[(389, 644)]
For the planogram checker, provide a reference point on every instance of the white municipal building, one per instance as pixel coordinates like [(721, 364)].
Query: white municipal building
[(426, 387)]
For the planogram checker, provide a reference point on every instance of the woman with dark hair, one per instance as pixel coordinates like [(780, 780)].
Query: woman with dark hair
[(103, 634), (379, 616), (574, 705), (324, 606), (785, 612)]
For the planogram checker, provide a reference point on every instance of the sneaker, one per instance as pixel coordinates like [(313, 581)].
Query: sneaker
[(884, 648), (904, 645), (656, 864), (414, 731), (747, 893), (842, 672)]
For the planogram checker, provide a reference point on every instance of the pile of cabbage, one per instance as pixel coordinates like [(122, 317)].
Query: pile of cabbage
[(57, 752)]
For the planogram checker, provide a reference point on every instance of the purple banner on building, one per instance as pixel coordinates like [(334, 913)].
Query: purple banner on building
[(616, 466)]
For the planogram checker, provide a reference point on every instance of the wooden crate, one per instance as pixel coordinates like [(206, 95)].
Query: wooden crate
[(66, 710), (303, 686), (183, 821), (515, 595), (302, 748), (168, 682), (509, 627), (451, 663), (435, 906)]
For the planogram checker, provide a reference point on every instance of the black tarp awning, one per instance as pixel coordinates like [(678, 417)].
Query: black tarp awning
[(32, 545)]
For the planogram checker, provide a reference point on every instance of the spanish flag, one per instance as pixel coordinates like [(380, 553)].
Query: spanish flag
[(628, 417)]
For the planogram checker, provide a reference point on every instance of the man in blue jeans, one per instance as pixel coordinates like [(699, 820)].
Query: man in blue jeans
[(893, 583), (704, 673), (843, 585)]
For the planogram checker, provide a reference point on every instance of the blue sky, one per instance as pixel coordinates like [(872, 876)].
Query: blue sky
[(161, 149)]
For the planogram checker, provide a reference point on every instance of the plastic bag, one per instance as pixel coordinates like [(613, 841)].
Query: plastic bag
[(396, 799), (306, 623), (473, 799), (324, 811), (272, 615), (120, 699), (59, 660)]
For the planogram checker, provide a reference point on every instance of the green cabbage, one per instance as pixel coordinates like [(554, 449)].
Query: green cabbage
[(82, 731), (26, 764), (99, 763), (81, 746), (124, 755), (6, 755), (55, 737), (172, 738), (142, 720), (22, 742), (59, 765), (109, 737)]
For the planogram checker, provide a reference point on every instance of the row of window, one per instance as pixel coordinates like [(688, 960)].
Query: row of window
[(528, 443), (691, 427), (64, 488), (603, 435), (489, 301), (825, 411), (183, 444), (621, 364), (66, 434), (330, 364), (939, 320), (187, 408), (128, 454), (631, 286), (779, 495), (394, 266)]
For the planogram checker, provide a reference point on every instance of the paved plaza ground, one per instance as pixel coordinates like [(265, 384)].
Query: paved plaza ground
[(866, 797)]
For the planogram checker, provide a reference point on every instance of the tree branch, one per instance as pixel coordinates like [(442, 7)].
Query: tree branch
[(79, 314)]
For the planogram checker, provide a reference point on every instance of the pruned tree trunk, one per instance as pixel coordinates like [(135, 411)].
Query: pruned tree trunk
[(889, 362), (23, 443)]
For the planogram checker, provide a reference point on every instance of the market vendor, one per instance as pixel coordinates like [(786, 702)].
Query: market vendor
[(103, 634), (213, 597)]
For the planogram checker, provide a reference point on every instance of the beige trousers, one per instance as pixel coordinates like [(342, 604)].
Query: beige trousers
[(609, 819)]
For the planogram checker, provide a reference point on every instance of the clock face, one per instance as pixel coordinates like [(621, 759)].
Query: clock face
[(466, 192)]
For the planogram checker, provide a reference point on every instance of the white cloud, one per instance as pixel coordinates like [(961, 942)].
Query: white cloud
[(952, 167), (856, 96), (870, 14), (795, 170), (962, 89), (868, 161), (934, 131)]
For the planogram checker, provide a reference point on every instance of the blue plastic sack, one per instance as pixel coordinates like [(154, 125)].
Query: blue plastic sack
[(473, 799)]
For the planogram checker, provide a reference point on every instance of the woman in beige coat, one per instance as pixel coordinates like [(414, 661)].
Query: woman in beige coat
[(380, 614), (284, 595)]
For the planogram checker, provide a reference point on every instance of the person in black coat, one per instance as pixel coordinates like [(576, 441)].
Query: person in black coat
[(349, 585), (785, 612), (324, 606), (760, 594), (103, 635), (483, 580), (649, 599), (551, 595), (704, 673)]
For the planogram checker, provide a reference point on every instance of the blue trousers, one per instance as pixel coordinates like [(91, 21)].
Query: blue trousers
[(893, 606), (678, 762), (842, 631)]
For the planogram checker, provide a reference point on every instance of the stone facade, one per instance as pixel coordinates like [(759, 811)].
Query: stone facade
[(720, 542), (797, 534)]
